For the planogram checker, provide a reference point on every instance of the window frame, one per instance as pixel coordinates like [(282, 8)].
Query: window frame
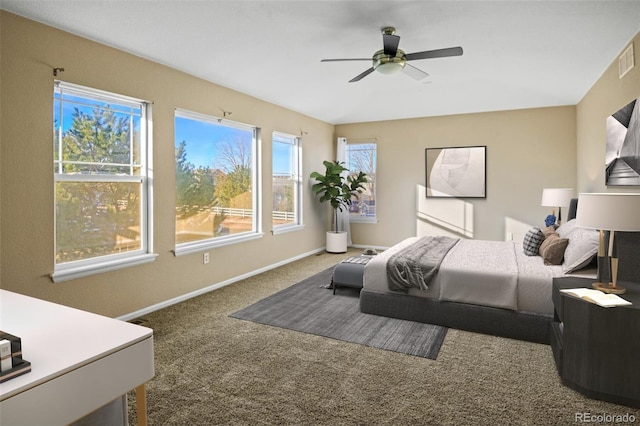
[(256, 188), (85, 267), (296, 161), (353, 217)]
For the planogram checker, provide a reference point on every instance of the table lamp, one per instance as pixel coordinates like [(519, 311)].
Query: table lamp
[(557, 197), (612, 212)]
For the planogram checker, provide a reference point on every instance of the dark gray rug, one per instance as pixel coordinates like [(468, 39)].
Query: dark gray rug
[(309, 307)]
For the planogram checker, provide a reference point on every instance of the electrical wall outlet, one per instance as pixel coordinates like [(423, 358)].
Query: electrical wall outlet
[(205, 258)]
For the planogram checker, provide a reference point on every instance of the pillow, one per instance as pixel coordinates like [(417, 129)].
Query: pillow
[(549, 230), (583, 246), (532, 241), (566, 229), (552, 249)]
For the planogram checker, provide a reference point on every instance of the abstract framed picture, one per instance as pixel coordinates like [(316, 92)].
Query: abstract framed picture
[(622, 160), (458, 172)]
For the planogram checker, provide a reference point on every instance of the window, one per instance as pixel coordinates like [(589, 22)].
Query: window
[(101, 174), (361, 157), (217, 190), (286, 183)]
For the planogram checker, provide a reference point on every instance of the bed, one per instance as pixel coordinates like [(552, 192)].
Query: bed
[(492, 287)]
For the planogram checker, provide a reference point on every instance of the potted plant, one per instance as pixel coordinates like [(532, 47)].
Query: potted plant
[(338, 190)]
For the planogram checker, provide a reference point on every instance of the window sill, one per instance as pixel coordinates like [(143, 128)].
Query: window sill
[(68, 274), (188, 248), (363, 220), (286, 228)]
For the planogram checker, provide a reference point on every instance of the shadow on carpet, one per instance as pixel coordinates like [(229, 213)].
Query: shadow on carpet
[(309, 307)]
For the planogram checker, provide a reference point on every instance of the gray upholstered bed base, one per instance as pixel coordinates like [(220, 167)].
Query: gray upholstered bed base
[(531, 327), (480, 319)]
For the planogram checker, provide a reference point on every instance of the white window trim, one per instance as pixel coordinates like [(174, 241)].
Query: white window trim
[(198, 246), (299, 196), (87, 267), (72, 273), (256, 151), (283, 229), (366, 219)]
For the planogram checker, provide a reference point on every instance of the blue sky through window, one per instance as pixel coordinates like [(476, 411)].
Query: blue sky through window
[(282, 157), (203, 151), (203, 139)]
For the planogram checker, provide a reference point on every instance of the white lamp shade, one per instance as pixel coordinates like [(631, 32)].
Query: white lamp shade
[(557, 197), (609, 211)]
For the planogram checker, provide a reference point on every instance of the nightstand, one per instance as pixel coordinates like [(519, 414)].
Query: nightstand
[(597, 349)]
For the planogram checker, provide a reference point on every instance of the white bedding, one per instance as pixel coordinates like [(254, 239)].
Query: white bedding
[(481, 272)]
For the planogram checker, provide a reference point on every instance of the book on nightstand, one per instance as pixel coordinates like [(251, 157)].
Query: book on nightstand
[(606, 300)]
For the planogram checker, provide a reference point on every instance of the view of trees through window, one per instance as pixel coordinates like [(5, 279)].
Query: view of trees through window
[(285, 157), (99, 174), (362, 157), (214, 178)]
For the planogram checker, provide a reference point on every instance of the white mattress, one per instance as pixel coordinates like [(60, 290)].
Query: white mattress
[(481, 272)]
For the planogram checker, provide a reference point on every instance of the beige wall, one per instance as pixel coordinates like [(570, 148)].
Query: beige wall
[(527, 150), (608, 94), (29, 52)]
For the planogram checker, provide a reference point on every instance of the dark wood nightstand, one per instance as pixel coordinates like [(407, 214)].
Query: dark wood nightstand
[(597, 349)]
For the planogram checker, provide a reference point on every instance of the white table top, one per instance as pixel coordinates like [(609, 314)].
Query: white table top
[(57, 339)]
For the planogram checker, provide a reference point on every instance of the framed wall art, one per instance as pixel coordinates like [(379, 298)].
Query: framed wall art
[(459, 172), (622, 160)]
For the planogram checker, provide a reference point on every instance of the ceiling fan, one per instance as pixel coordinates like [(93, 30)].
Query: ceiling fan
[(390, 59)]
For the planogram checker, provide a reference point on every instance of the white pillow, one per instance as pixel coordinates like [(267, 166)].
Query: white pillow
[(566, 229), (583, 246)]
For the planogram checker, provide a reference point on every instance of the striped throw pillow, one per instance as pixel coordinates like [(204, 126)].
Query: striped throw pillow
[(532, 241)]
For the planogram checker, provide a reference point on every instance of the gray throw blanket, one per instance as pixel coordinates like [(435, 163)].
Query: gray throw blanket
[(416, 265)]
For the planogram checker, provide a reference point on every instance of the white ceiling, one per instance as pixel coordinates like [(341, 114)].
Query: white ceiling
[(517, 54)]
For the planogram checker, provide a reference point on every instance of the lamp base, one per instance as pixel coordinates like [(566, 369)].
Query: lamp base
[(607, 288)]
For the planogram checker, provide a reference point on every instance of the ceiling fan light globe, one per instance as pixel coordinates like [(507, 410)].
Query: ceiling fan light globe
[(390, 67)]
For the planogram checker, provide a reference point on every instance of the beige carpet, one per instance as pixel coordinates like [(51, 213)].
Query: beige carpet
[(213, 369)]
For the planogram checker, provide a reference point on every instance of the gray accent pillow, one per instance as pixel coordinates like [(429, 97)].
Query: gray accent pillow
[(532, 241), (583, 246)]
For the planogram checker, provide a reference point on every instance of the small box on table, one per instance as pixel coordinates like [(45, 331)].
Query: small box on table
[(11, 362)]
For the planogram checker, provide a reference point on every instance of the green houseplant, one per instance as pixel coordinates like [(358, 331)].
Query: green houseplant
[(338, 190)]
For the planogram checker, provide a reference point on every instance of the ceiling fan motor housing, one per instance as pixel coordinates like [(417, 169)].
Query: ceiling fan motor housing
[(387, 64)]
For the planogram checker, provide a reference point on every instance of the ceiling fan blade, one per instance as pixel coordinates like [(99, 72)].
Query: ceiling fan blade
[(414, 72), (361, 76), (439, 53), (390, 42), (344, 60)]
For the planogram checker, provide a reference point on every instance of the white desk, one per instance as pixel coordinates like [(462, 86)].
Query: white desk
[(79, 362)]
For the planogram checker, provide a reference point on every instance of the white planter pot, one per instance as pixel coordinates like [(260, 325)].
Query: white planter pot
[(337, 242)]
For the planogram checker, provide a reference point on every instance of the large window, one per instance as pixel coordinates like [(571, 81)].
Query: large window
[(101, 179), (361, 157), (286, 183), (217, 190)]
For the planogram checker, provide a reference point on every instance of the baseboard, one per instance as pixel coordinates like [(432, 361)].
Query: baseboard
[(187, 296)]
